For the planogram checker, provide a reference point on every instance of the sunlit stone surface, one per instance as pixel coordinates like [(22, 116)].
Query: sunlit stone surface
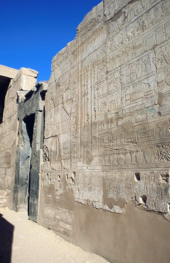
[(102, 175)]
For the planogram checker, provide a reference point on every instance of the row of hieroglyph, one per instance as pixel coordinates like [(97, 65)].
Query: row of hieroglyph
[(107, 108)]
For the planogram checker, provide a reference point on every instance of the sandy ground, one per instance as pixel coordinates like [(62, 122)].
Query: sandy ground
[(23, 241)]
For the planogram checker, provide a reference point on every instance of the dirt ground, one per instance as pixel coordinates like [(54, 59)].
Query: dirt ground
[(23, 241)]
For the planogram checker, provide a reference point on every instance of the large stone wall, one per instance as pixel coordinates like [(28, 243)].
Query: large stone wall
[(29, 150), (105, 177), (21, 80)]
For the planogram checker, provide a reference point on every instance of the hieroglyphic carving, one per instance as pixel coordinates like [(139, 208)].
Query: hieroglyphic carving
[(151, 185), (114, 103), (94, 42), (45, 154), (163, 69)]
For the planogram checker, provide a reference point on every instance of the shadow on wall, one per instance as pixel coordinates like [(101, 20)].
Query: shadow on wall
[(6, 238)]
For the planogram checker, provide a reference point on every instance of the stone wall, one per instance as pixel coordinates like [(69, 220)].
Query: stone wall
[(21, 80), (105, 176)]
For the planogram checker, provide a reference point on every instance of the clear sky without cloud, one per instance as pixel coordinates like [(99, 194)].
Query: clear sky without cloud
[(33, 32)]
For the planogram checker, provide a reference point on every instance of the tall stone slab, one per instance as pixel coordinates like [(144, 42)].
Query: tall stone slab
[(29, 153)]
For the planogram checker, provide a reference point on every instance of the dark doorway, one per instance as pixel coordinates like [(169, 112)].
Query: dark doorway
[(4, 83), (29, 122), (29, 154)]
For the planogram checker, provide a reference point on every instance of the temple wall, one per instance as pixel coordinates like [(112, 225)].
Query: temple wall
[(21, 81), (105, 176)]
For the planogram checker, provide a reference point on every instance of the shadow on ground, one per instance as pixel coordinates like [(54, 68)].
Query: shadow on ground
[(6, 238)]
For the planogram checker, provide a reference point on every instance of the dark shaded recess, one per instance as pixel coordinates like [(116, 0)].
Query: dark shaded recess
[(29, 121), (137, 176), (4, 83), (43, 93), (6, 239), (144, 199), (37, 88), (29, 94), (165, 177)]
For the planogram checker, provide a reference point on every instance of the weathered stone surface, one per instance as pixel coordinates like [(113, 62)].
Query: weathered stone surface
[(8, 72), (107, 139), (26, 78), (13, 81), (105, 151), (113, 8), (3, 198)]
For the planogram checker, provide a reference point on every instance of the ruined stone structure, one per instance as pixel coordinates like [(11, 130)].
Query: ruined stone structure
[(11, 82), (31, 112), (89, 150)]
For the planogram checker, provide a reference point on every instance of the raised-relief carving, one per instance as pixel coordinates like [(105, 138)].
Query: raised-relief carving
[(108, 117), (45, 154)]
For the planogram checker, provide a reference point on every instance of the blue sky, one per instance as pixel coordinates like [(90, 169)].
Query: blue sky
[(32, 32)]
